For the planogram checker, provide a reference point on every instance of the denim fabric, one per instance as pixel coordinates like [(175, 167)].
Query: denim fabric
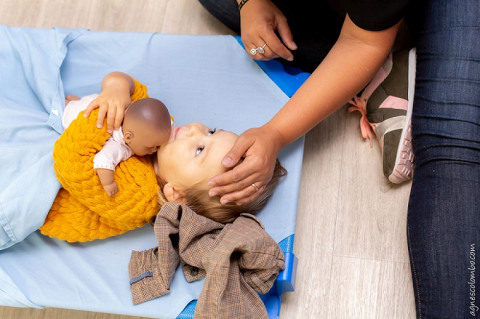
[(443, 225)]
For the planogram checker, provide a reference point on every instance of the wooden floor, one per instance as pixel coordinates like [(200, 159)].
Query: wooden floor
[(350, 234)]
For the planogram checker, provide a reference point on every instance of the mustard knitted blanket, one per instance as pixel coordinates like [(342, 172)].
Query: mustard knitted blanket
[(82, 211)]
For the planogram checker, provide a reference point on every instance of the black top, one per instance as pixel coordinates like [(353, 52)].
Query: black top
[(375, 15)]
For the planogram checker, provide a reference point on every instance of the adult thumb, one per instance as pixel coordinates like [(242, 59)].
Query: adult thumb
[(238, 150)]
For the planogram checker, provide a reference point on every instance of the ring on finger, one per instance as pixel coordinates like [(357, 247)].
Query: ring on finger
[(261, 49), (258, 49), (255, 186)]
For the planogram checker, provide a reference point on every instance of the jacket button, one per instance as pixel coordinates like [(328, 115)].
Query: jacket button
[(194, 271)]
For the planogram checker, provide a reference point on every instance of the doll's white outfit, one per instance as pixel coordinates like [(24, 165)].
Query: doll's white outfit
[(113, 151)]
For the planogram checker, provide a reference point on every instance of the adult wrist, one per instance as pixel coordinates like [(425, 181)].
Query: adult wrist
[(277, 136)]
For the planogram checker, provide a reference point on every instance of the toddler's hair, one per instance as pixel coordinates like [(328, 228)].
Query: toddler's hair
[(201, 203)]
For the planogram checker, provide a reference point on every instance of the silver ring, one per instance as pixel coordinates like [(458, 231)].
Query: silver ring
[(255, 186), (261, 49), (258, 49)]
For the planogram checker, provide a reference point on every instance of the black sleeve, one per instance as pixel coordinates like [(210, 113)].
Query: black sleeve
[(376, 15)]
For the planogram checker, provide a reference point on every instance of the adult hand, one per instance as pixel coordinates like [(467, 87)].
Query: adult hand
[(259, 21), (259, 148)]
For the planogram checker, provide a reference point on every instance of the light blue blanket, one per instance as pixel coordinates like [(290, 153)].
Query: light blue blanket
[(31, 105), (208, 79)]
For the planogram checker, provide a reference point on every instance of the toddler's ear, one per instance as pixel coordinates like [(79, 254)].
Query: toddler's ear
[(172, 195)]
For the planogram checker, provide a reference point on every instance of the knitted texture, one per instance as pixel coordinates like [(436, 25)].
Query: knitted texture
[(82, 211)]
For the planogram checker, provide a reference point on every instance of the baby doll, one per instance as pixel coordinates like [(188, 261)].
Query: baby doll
[(146, 126)]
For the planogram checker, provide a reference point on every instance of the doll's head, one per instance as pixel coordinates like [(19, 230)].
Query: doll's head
[(191, 158), (146, 126)]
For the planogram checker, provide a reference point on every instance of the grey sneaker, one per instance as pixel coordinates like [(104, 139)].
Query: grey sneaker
[(386, 108)]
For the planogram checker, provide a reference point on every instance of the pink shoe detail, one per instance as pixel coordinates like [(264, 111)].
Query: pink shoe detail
[(393, 102), (359, 104), (379, 77)]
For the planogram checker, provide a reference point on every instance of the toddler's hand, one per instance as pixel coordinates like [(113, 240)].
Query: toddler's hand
[(111, 189), (113, 100), (112, 104)]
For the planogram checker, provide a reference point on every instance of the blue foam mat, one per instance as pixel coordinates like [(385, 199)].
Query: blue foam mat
[(194, 82)]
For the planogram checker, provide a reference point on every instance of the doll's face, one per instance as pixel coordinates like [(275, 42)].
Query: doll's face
[(144, 140), (193, 155), (146, 126)]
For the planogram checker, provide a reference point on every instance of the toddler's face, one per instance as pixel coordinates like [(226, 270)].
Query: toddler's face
[(193, 155)]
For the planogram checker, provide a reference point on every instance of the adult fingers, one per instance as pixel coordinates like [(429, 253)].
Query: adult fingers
[(277, 46), (237, 183), (238, 150), (285, 33), (230, 182), (272, 48), (244, 196), (262, 52)]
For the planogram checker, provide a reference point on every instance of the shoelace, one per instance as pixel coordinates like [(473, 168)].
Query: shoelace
[(360, 104)]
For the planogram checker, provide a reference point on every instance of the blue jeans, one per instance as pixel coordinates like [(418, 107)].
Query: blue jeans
[(443, 225)]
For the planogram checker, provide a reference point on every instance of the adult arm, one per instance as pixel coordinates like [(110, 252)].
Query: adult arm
[(348, 67)]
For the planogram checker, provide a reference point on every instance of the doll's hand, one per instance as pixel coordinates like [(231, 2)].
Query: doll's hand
[(259, 21), (107, 179), (111, 189)]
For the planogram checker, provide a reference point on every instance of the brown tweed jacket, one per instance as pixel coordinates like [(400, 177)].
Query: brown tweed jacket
[(239, 261)]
